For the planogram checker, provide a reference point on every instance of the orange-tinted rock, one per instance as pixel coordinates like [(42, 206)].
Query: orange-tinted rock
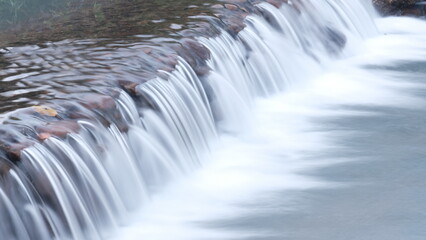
[(43, 136), (45, 111)]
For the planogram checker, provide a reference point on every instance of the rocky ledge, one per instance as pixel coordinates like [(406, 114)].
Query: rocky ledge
[(98, 71), (28, 122)]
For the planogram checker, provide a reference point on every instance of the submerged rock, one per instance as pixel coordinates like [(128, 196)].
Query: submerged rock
[(336, 40), (58, 129)]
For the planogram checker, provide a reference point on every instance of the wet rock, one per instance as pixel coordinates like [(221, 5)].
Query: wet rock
[(128, 86), (398, 7), (75, 111), (12, 143), (97, 101), (13, 150), (197, 48), (335, 40), (231, 7), (202, 70), (276, 3), (59, 129), (46, 110), (195, 54), (167, 63), (235, 23)]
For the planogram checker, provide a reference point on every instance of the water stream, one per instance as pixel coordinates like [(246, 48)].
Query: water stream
[(230, 155)]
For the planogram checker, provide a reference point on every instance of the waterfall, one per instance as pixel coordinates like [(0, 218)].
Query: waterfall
[(87, 185)]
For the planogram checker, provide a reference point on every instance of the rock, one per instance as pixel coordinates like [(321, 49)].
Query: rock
[(169, 62), (45, 111), (14, 150), (397, 7), (197, 48), (57, 128), (73, 110), (12, 143), (97, 101), (128, 86), (231, 7), (276, 3)]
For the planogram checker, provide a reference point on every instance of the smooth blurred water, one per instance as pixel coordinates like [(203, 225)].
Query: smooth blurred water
[(338, 156)]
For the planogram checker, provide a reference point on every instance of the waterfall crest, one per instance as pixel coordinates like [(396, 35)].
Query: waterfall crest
[(85, 185)]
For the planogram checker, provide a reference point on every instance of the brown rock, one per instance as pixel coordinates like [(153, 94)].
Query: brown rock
[(57, 128), (197, 48), (231, 7), (13, 149), (97, 101), (128, 86), (276, 3)]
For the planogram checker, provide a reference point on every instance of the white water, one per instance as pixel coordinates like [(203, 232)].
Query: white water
[(280, 135), (170, 177)]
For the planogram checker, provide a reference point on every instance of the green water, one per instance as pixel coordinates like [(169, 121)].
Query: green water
[(34, 21)]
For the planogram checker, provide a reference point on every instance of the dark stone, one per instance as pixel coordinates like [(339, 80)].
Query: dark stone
[(128, 86), (12, 143), (399, 7)]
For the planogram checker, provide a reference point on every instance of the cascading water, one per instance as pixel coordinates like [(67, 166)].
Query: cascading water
[(89, 184)]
